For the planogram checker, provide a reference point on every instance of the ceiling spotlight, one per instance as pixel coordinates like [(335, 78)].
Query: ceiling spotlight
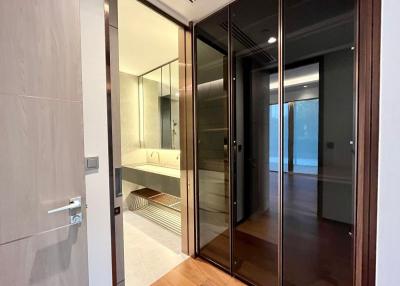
[(352, 48), (271, 40), (305, 86)]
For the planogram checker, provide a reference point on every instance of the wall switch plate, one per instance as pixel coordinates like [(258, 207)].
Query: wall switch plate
[(91, 164)]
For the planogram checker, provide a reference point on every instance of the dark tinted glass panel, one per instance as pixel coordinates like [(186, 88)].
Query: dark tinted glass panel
[(212, 135), (318, 185), (255, 57)]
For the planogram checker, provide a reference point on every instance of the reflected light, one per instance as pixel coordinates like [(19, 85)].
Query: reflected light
[(300, 80), (271, 40)]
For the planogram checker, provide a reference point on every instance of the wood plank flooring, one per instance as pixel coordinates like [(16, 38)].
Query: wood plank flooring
[(194, 272), (317, 251)]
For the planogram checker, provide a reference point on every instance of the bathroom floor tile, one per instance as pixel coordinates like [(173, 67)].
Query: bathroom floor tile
[(150, 250)]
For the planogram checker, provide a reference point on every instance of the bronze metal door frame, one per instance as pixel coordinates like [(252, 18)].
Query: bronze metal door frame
[(186, 129), (110, 138), (368, 75), (186, 140)]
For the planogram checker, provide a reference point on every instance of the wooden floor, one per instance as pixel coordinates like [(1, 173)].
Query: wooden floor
[(193, 272), (323, 244)]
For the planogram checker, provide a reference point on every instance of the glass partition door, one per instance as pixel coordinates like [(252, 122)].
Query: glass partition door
[(212, 140), (275, 154), (254, 48), (318, 196)]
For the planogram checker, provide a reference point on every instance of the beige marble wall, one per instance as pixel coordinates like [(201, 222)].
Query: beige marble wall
[(163, 157), (129, 111), (175, 104), (151, 114), (131, 153), (175, 122)]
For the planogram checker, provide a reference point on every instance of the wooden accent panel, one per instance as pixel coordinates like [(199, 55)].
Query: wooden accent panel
[(41, 149), (194, 272), (368, 136), (42, 161), (55, 258), (41, 164)]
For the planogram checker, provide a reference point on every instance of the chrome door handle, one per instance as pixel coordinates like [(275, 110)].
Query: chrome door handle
[(75, 215), (73, 204)]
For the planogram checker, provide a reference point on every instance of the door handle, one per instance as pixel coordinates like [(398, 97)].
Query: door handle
[(74, 204)]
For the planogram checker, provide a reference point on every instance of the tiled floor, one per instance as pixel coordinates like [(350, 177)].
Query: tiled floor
[(150, 250)]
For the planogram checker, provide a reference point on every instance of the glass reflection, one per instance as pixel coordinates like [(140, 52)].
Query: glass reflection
[(159, 107), (212, 139), (318, 131), (305, 137), (254, 54), (318, 186)]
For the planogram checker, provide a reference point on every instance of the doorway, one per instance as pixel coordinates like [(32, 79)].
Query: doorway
[(276, 112), (148, 96)]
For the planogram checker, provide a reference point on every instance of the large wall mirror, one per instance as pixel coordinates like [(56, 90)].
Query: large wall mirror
[(159, 107)]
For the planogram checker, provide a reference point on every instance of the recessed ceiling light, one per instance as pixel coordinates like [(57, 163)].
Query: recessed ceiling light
[(271, 40), (352, 48), (305, 86)]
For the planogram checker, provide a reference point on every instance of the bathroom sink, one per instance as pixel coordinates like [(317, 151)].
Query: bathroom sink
[(171, 172)]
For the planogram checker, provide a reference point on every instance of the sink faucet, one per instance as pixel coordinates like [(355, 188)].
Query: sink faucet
[(158, 154)]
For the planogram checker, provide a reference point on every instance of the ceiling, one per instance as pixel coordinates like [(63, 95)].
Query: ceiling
[(190, 10), (330, 29), (146, 39)]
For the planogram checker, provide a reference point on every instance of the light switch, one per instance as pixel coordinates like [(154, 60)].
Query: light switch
[(92, 163)]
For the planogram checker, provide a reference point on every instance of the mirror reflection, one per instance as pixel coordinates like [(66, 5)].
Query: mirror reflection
[(159, 107)]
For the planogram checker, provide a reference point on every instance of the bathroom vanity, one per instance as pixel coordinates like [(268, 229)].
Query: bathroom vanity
[(159, 178)]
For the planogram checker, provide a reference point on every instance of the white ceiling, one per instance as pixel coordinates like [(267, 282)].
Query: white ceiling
[(187, 11), (146, 39)]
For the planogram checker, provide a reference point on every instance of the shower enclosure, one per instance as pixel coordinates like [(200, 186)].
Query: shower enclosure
[(275, 113)]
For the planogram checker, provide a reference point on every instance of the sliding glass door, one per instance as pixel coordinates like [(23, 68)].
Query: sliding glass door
[(212, 140), (254, 47), (318, 195), (275, 141)]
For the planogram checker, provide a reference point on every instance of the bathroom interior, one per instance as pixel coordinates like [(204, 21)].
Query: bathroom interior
[(150, 142)]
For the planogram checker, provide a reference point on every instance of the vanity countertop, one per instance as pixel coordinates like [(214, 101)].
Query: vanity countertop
[(161, 170)]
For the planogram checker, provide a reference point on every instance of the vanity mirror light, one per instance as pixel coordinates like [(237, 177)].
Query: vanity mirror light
[(159, 107)]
